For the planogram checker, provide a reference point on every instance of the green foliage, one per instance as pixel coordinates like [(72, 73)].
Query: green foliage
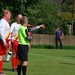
[(67, 6), (39, 12), (32, 21), (51, 47), (23, 1), (66, 16), (43, 46), (64, 28), (47, 13), (47, 10), (49, 27), (69, 47)]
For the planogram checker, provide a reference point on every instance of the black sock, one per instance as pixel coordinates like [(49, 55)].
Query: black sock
[(24, 70), (19, 69)]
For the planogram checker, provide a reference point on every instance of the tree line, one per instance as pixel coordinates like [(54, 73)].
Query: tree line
[(41, 12)]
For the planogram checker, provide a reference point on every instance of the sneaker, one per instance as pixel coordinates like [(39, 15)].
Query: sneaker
[(14, 70), (2, 74), (6, 61)]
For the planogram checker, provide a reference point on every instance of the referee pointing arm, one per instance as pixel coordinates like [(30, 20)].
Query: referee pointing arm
[(23, 45)]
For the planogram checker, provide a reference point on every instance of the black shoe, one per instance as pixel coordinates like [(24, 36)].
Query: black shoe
[(6, 61), (14, 70)]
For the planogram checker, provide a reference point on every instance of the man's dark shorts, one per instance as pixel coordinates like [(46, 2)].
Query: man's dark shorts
[(23, 52)]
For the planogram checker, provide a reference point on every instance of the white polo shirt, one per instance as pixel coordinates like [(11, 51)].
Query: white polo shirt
[(4, 30), (14, 30)]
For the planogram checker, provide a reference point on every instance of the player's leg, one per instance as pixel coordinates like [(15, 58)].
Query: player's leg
[(2, 55), (14, 59), (1, 64), (8, 56), (19, 67), (9, 53), (24, 67), (23, 57)]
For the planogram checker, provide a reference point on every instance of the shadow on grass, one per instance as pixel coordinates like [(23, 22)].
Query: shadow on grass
[(6, 69), (71, 56), (66, 63)]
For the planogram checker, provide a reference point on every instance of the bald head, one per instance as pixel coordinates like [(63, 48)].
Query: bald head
[(19, 16)]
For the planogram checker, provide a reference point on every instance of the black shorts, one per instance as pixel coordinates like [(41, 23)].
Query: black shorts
[(23, 52)]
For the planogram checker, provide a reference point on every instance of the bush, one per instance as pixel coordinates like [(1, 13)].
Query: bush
[(43, 46), (52, 47), (64, 27)]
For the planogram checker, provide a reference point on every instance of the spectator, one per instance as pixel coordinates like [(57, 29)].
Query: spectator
[(58, 37)]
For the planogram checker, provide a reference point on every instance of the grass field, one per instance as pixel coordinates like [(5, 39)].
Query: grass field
[(47, 62)]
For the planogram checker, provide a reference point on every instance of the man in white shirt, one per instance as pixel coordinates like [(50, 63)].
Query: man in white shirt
[(4, 36), (14, 42)]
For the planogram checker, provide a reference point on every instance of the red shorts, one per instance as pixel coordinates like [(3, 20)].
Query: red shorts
[(3, 49), (14, 45)]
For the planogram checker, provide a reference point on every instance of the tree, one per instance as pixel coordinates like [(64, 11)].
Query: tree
[(67, 6), (66, 16), (47, 13), (38, 11)]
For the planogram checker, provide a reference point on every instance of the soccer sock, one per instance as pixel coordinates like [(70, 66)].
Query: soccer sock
[(24, 70), (13, 62), (1, 65), (19, 69), (16, 62), (9, 55)]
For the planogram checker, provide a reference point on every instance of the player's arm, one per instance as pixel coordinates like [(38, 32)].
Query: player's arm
[(2, 34), (28, 36), (37, 27)]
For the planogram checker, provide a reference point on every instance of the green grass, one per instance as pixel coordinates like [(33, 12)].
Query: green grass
[(47, 62)]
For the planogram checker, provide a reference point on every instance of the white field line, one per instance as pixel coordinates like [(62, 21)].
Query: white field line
[(51, 57)]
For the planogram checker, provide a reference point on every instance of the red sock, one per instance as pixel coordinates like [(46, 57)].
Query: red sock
[(16, 63), (13, 62), (1, 65)]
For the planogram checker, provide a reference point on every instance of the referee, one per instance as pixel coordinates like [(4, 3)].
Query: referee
[(23, 47), (23, 44)]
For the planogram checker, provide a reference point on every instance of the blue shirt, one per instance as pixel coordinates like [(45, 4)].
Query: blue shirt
[(58, 34)]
